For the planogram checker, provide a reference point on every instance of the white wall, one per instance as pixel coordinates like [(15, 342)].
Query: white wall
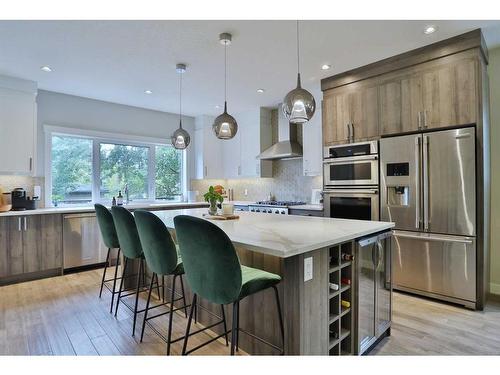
[(89, 114), (494, 74)]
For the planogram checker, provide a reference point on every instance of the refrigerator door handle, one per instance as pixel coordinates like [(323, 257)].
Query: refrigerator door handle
[(426, 181), (434, 237), (417, 182)]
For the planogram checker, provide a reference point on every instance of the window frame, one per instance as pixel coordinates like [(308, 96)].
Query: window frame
[(98, 137)]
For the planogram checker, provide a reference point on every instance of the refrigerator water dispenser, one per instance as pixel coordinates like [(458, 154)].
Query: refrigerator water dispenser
[(398, 196)]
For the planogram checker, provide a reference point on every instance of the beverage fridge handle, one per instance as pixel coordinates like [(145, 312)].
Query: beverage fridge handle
[(426, 181), (417, 182)]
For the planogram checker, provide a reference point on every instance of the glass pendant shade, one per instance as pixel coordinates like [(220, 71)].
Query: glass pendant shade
[(299, 105), (180, 139), (225, 125)]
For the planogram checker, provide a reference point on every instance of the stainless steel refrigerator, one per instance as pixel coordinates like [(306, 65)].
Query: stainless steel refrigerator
[(428, 188)]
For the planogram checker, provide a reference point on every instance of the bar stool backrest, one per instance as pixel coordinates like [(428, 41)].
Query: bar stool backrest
[(127, 232), (106, 226), (159, 248), (210, 261)]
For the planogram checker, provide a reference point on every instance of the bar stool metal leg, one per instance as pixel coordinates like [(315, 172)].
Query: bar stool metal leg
[(114, 281), (188, 327), (225, 325), (106, 265), (147, 305), (238, 328), (139, 277), (280, 315), (234, 326), (172, 297), (121, 284), (183, 297)]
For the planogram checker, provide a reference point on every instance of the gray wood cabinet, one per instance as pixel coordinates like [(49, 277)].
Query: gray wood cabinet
[(30, 244)]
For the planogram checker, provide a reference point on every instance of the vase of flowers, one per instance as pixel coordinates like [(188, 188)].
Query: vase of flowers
[(213, 196)]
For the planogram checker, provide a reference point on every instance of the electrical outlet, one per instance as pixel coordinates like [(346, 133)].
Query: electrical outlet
[(245, 192), (308, 269)]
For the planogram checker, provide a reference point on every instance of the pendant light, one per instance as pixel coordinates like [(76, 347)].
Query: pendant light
[(225, 125), (299, 104), (180, 139)]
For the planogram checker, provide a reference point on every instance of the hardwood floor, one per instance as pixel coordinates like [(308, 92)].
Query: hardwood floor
[(64, 316), (422, 326)]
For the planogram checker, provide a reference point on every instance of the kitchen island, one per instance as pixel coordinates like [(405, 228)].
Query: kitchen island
[(309, 253)]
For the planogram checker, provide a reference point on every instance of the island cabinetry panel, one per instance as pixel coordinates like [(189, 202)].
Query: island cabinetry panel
[(30, 244)]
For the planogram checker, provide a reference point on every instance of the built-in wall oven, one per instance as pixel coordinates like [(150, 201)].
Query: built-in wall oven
[(351, 177), (358, 204), (354, 164)]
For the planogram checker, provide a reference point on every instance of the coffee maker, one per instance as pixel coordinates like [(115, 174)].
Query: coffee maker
[(18, 198)]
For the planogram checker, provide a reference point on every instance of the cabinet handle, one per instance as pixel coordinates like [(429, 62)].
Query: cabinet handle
[(25, 221), (352, 132), (239, 170), (419, 119), (18, 224), (425, 119), (206, 173), (31, 164), (348, 132)]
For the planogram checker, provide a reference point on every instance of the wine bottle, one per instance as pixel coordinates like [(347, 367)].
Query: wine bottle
[(346, 256), (345, 304), (334, 286), (345, 280), (119, 198)]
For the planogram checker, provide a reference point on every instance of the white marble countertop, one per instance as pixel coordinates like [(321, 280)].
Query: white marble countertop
[(287, 235), (83, 209)]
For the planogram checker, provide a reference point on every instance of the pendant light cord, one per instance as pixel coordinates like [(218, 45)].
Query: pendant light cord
[(180, 100), (225, 71), (298, 49)]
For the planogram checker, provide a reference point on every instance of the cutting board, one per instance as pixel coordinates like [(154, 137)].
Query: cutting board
[(221, 217)]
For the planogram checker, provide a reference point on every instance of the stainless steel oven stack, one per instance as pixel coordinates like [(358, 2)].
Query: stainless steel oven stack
[(351, 181)]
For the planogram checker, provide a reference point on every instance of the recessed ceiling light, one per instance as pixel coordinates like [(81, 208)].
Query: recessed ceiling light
[(45, 68), (430, 29), (148, 92), (325, 66), (260, 91)]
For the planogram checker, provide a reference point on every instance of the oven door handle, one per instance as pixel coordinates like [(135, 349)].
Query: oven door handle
[(349, 159), (351, 191)]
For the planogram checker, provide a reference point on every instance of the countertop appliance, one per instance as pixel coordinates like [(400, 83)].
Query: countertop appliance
[(82, 244), (352, 164), (273, 207), (351, 177), (316, 196), (373, 312), (428, 189), (18, 199)]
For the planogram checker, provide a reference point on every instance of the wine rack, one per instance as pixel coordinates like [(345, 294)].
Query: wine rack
[(340, 296)]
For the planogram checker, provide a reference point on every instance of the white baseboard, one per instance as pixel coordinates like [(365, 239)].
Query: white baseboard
[(495, 288)]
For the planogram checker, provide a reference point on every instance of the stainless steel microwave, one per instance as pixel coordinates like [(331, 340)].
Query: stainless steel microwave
[(354, 164)]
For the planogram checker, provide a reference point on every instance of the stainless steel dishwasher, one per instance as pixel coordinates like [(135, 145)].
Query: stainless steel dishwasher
[(82, 244)]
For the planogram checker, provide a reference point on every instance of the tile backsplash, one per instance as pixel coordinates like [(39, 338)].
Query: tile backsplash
[(9, 182), (287, 183)]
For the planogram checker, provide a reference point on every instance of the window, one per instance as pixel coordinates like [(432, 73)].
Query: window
[(94, 169), (123, 168), (71, 170)]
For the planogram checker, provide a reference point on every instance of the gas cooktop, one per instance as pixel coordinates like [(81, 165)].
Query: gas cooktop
[(279, 203)]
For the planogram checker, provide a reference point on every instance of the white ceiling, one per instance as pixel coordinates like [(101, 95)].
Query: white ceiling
[(117, 60)]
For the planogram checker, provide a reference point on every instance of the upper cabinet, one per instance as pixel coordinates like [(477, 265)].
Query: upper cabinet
[(433, 87), (208, 149), (350, 113), (18, 126), (236, 157)]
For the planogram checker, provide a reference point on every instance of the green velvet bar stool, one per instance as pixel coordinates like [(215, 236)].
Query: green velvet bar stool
[(214, 272), (162, 259), (130, 244), (110, 239)]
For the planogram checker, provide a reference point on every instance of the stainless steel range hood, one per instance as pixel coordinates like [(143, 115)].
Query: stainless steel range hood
[(287, 146)]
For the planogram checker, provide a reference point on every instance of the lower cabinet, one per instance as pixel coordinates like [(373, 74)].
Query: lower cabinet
[(31, 243)]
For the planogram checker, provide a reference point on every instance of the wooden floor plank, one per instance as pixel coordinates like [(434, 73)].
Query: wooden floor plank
[(64, 316)]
